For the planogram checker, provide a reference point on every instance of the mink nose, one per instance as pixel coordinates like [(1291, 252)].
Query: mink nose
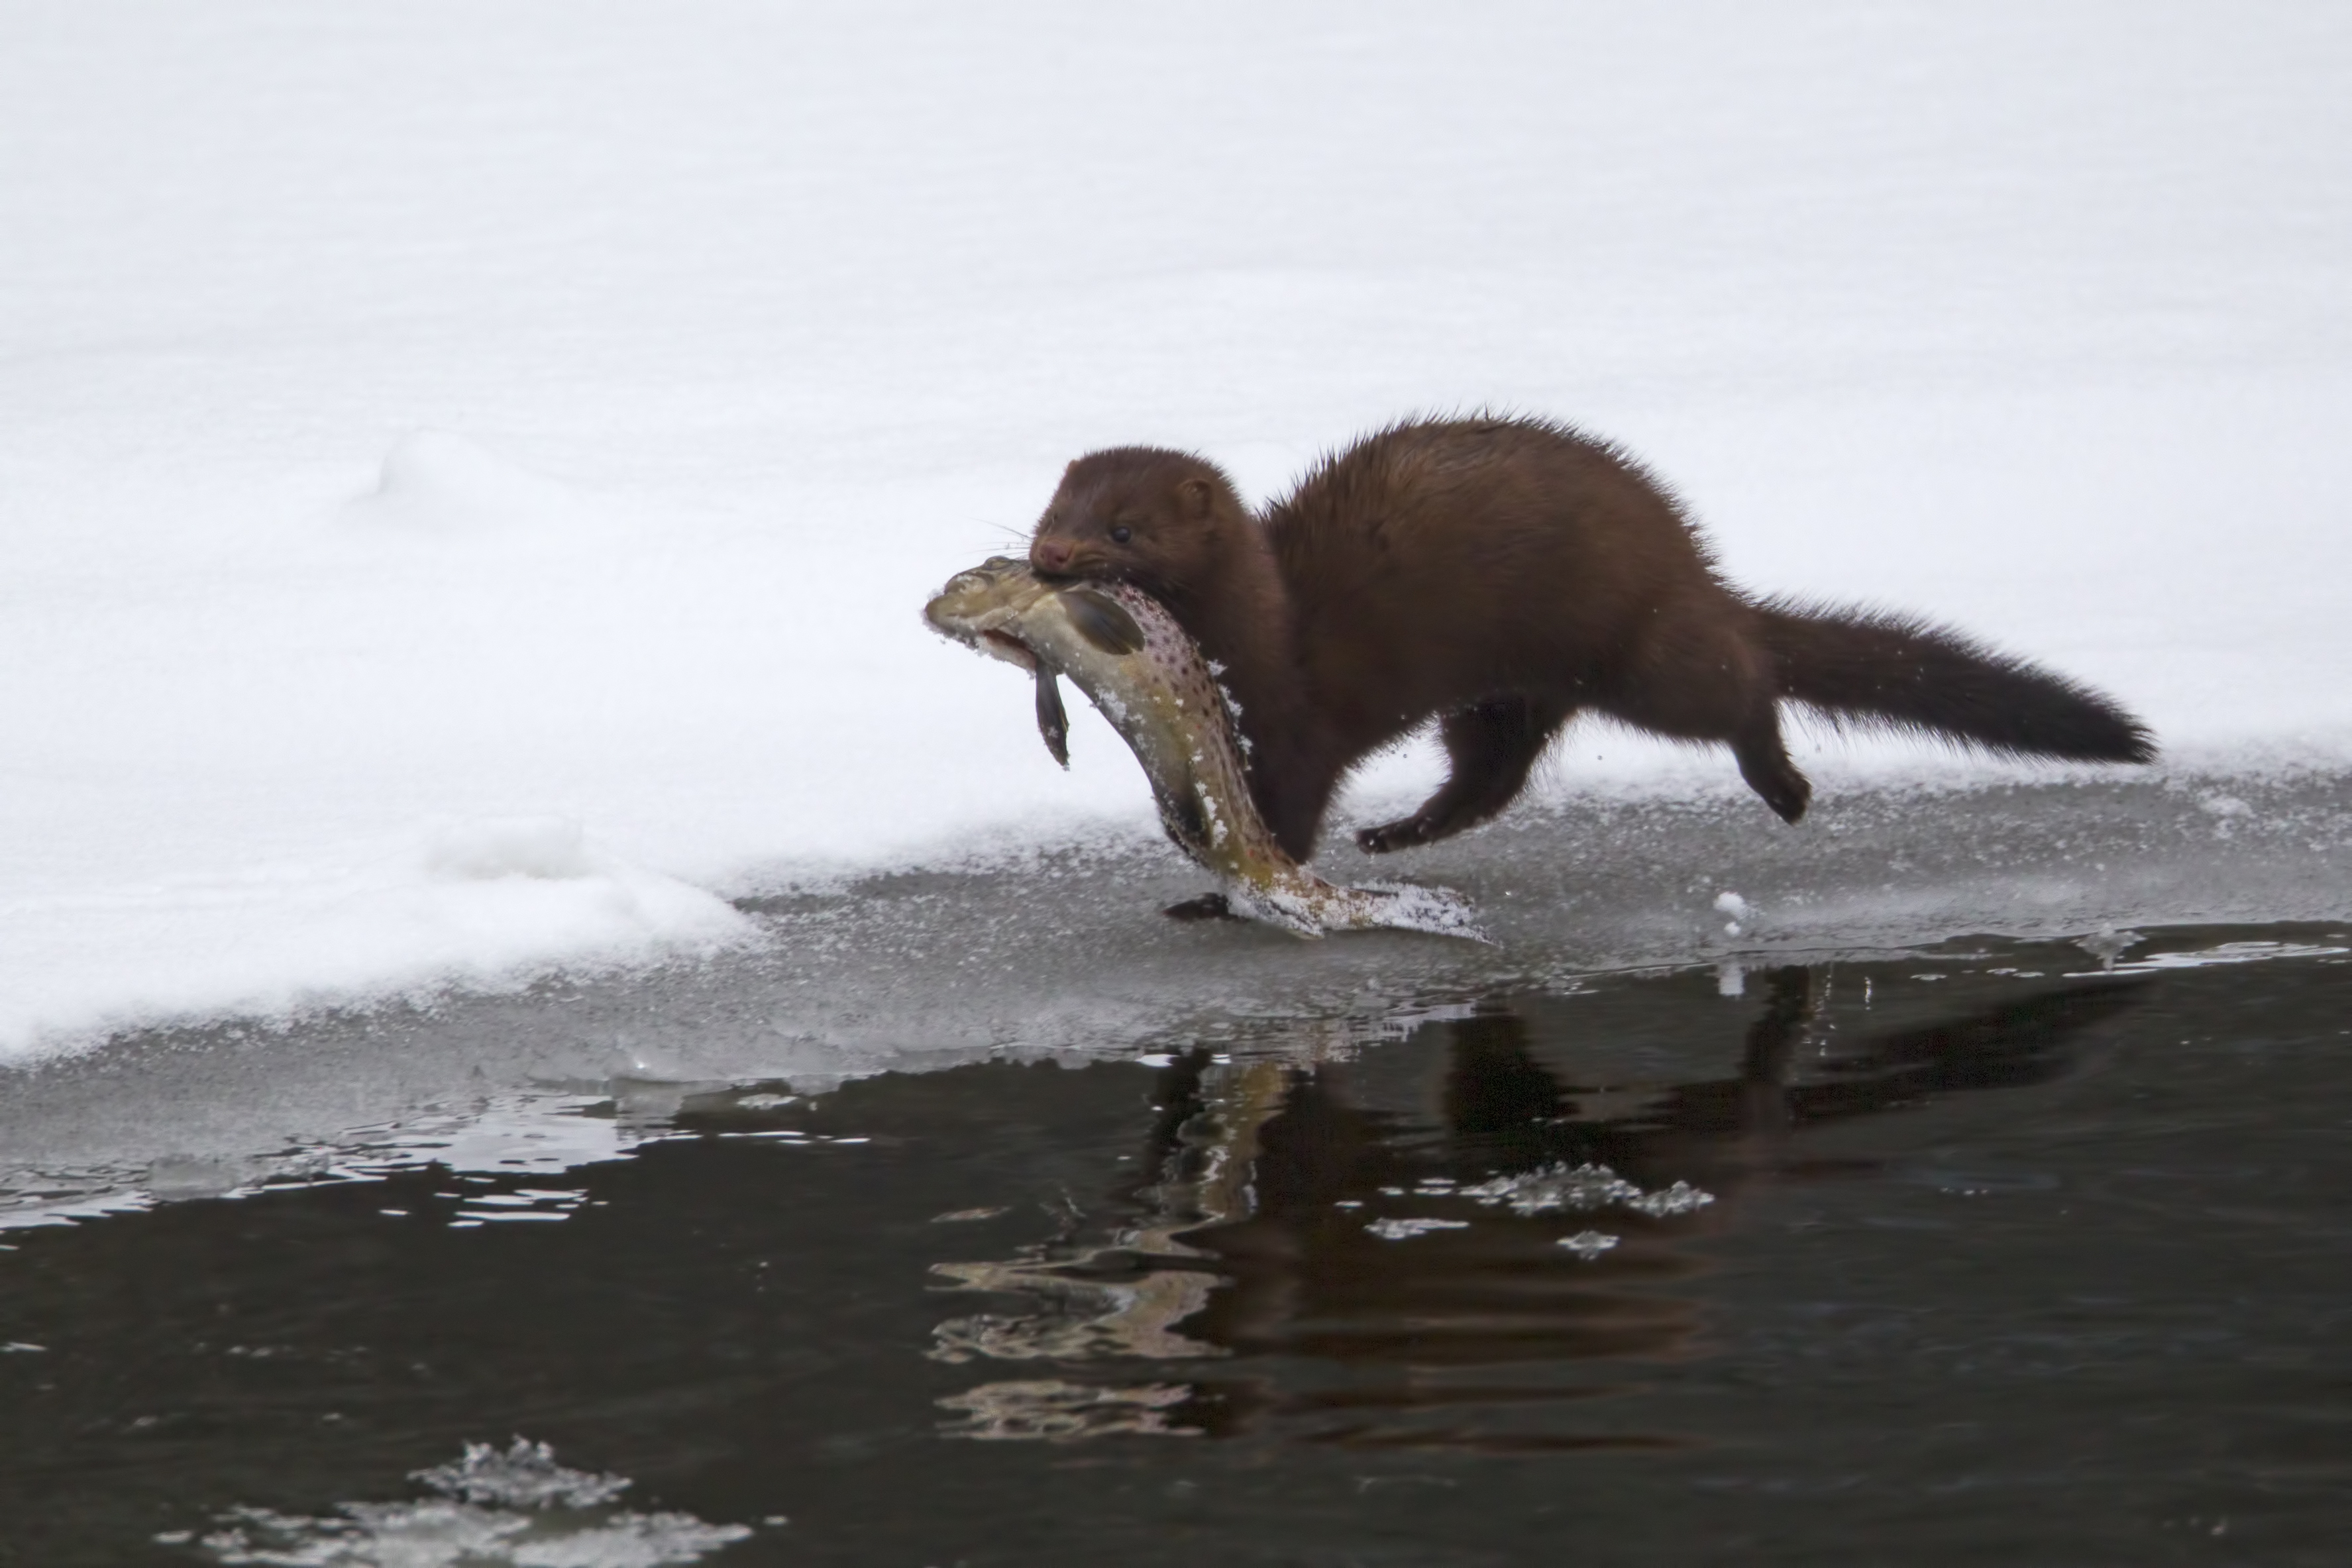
[(1050, 555)]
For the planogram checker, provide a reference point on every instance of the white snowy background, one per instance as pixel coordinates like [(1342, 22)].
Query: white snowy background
[(469, 472)]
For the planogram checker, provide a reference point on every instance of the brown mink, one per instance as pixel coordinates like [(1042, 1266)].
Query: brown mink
[(1501, 575)]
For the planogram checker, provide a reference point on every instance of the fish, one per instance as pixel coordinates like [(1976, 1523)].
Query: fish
[(1122, 648)]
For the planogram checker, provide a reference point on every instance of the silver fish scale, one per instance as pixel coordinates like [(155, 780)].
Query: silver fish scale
[(1171, 649)]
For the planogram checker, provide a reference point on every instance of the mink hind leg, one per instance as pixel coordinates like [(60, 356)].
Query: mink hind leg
[(1763, 758), (1491, 748), (1710, 684)]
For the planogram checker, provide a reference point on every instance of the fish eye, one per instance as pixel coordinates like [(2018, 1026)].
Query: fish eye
[(1120, 534)]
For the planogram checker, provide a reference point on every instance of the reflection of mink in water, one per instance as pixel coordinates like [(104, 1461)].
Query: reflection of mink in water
[(1435, 1340), (1500, 575)]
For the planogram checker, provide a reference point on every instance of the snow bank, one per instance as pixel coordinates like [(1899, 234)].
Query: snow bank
[(485, 903), (413, 415)]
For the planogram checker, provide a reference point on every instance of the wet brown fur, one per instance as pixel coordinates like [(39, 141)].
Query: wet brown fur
[(1501, 575)]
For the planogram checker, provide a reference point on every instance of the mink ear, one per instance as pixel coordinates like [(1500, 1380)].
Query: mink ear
[(1196, 496)]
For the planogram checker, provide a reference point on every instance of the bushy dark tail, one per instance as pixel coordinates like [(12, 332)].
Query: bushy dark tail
[(1875, 669)]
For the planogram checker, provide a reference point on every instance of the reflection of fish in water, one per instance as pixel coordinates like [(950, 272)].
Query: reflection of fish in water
[(1117, 1300), (1127, 654)]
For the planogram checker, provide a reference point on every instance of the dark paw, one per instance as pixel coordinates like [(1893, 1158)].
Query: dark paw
[(1402, 834), (1208, 907), (1790, 803), (1777, 781)]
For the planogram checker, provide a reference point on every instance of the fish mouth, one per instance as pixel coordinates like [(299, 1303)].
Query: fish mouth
[(1009, 648)]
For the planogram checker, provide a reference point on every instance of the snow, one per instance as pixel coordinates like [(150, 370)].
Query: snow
[(468, 476)]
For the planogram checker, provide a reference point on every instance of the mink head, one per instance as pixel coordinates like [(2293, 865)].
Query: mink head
[(1137, 513)]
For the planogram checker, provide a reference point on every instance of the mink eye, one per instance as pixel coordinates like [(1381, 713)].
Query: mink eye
[(1120, 534)]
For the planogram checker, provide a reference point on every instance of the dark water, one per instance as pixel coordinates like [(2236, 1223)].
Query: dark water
[(1979, 1255)]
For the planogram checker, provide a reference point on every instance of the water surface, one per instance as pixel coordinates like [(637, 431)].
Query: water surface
[(1987, 1251)]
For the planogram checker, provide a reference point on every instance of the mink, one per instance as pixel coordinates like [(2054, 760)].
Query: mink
[(1500, 576)]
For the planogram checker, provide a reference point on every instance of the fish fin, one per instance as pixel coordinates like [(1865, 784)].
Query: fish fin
[(1102, 621), (1186, 825), (1053, 723)]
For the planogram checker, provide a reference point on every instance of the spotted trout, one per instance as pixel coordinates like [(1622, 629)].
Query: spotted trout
[(1121, 648)]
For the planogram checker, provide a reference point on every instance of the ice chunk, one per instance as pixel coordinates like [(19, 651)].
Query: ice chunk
[(1556, 1187), (1680, 1198), (492, 1505), (1582, 1189), (1400, 1230)]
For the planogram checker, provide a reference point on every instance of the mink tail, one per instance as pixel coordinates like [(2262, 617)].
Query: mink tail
[(1881, 670)]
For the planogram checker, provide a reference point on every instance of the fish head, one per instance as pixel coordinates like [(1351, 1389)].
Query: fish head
[(982, 608), (1001, 608)]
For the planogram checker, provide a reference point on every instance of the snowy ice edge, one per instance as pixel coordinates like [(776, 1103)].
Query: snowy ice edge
[(489, 906), (1032, 837)]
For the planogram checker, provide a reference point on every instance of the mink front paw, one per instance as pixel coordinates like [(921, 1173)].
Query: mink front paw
[(1402, 834), (1208, 907)]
